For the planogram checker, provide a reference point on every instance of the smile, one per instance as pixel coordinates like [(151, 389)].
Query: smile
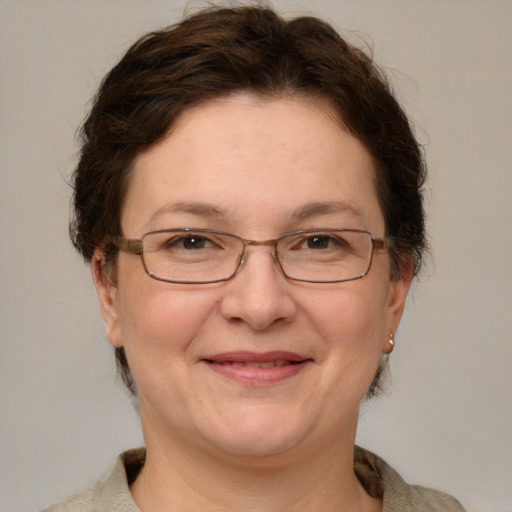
[(255, 369), (263, 364)]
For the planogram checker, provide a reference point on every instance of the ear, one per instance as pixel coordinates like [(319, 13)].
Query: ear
[(107, 296), (399, 287)]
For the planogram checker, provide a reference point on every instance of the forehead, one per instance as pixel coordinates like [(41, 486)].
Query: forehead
[(252, 161)]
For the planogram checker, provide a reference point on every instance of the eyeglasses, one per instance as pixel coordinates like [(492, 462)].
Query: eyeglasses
[(199, 256)]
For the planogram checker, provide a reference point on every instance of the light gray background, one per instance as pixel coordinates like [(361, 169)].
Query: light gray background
[(447, 420)]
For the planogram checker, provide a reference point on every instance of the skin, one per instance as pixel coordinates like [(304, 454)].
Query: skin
[(214, 443)]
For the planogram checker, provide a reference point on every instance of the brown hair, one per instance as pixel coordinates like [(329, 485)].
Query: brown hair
[(219, 51)]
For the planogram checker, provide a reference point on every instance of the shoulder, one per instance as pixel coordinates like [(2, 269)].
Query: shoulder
[(379, 478), (424, 499), (110, 494), (78, 503)]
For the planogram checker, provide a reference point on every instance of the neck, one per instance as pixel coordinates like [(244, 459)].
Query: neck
[(180, 477)]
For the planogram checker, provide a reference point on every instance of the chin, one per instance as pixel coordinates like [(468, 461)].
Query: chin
[(256, 447), (259, 435)]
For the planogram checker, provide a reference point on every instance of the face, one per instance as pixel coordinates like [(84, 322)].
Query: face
[(203, 356)]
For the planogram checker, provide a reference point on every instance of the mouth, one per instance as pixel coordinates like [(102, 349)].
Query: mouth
[(252, 368), (262, 364)]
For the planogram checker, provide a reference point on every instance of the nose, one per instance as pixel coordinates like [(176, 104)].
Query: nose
[(258, 295)]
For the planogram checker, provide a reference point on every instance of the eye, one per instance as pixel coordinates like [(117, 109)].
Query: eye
[(332, 243), (319, 242), (195, 242), (322, 241), (189, 242)]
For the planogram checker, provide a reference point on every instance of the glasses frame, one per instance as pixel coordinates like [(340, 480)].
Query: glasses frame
[(136, 246)]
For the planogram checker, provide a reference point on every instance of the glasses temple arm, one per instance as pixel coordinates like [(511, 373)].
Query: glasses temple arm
[(130, 245)]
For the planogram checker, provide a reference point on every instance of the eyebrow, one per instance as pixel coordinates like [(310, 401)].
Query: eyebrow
[(324, 208), (303, 212), (189, 207)]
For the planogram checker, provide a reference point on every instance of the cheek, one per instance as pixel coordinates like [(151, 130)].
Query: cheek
[(352, 324), (159, 322), (356, 314), (353, 329)]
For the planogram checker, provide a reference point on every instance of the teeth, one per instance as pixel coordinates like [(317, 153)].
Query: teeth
[(258, 364)]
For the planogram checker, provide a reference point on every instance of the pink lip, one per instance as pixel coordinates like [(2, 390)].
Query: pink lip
[(256, 368)]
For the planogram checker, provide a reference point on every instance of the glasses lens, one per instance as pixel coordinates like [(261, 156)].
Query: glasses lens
[(191, 256), (325, 256)]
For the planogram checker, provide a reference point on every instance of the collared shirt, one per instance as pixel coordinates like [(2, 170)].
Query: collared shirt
[(378, 478)]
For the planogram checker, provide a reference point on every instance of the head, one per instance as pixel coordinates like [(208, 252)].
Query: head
[(220, 53)]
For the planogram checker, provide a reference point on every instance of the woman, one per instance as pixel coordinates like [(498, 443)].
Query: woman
[(249, 198)]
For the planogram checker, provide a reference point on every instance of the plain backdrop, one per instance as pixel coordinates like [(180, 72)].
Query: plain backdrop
[(446, 420)]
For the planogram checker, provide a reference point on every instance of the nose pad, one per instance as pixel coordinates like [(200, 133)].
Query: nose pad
[(243, 259)]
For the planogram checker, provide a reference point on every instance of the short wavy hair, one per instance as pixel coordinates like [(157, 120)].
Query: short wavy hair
[(220, 51)]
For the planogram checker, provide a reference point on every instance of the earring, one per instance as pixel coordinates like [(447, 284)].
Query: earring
[(391, 342)]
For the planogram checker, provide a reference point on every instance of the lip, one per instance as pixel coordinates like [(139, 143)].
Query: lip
[(258, 368)]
